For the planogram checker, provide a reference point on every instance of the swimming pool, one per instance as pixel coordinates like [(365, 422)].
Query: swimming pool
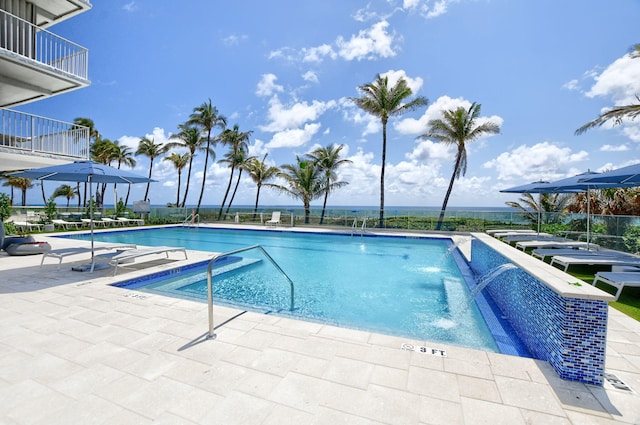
[(404, 286)]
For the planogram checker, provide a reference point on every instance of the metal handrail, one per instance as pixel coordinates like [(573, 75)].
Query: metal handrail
[(211, 334), (191, 219)]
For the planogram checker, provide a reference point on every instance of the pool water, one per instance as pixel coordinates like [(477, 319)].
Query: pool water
[(411, 287)]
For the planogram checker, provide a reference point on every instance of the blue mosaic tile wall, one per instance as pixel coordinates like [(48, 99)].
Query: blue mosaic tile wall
[(569, 333)]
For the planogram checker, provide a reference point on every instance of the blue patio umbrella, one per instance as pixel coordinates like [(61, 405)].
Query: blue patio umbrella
[(579, 183), (535, 187), (87, 172), (625, 176)]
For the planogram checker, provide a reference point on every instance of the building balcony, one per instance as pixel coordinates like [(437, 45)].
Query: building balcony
[(35, 63), (29, 141)]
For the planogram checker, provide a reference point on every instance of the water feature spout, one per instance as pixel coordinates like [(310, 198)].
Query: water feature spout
[(488, 277)]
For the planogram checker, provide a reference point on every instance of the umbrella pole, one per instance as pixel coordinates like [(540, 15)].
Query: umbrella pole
[(588, 217), (91, 223)]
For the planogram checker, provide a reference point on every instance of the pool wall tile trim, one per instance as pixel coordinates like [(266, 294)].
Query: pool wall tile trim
[(568, 332)]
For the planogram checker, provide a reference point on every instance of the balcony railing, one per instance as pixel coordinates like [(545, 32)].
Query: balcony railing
[(31, 133), (28, 40)]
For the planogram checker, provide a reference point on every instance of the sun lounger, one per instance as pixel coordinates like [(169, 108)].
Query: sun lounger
[(524, 245), (618, 280), (26, 226), (275, 219), (61, 254), (130, 255), (595, 260), (113, 222), (66, 224), (88, 221), (543, 253), (531, 237), (493, 232), (501, 235), (137, 221)]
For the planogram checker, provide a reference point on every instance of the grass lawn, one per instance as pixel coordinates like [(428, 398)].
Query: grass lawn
[(629, 301)]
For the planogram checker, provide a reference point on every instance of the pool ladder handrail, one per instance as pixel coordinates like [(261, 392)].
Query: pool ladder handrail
[(192, 219), (211, 334), (355, 225)]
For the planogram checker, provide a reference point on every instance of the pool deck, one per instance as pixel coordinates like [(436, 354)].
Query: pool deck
[(75, 350)]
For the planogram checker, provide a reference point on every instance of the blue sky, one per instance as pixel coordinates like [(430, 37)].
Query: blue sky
[(285, 70)]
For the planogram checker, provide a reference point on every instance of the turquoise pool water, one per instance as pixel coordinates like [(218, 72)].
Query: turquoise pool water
[(413, 287)]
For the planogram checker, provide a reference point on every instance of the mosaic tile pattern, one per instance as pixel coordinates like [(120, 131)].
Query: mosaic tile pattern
[(569, 333)]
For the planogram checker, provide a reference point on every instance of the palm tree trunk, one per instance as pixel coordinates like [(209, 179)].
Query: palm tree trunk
[(384, 159), (255, 208), (146, 193), (44, 198), (126, 202), (324, 204), (226, 193), (186, 189), (307, 212), (235, 189), (204, 173), (178, 191), (446, 197)]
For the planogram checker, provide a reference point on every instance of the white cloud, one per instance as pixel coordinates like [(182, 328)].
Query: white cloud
[(130, 7), (410, 4), (613, 148), (540, 161), (310, 76), (317, 54), (438, 8), (619, 81), (234, 40), (351, 113), (371, 43), (258, 149), (292, 138), (267, 85), (412, 126), (283, 118), (426, 151), (415, 84)]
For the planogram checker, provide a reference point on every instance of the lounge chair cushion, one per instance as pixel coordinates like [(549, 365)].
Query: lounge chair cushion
[(28, 248)]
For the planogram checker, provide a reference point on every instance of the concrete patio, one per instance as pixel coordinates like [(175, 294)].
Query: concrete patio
[(74, 350)]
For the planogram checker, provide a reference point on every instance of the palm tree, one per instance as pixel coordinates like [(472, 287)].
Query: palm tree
[(242, 162), (178, 161), (94, 135), (619, 113), (66, 191), (19, 183), (328, 159), (124, 156), (458, 127), (260, 173), (546, 203), (206, 116), (237, 142), (103, 151), (304, 181), (152, 150), (383, 101), (191, 139)]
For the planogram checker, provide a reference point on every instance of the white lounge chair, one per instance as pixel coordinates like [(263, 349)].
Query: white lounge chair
[(618, 280), (66, 224), (98, 223), (130, 255), (543, 253), (274, 220), (136, 221), (112, 222), (531, 237), (524, 245), (494, 232), (61, 254), (26, 226), (595, 260)]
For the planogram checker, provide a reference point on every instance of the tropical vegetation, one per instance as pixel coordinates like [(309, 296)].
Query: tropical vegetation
[(457, 127), (384, 101)]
